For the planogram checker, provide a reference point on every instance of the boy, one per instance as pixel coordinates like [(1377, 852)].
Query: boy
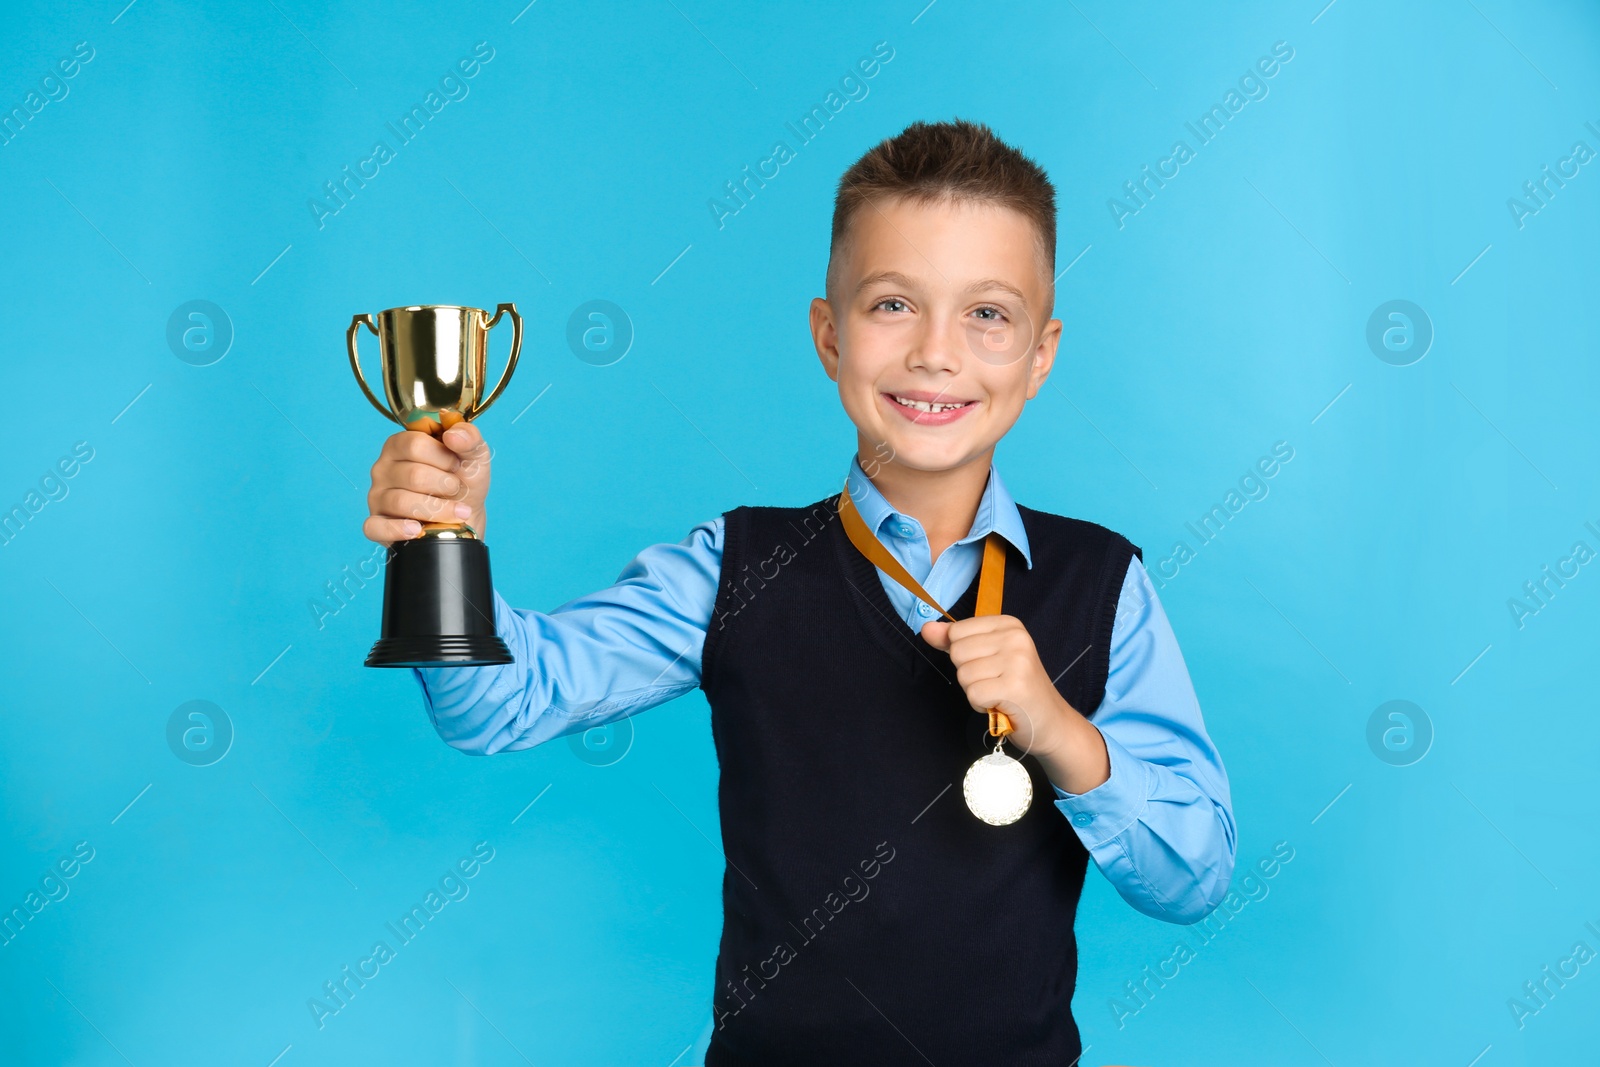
[(841, 708)]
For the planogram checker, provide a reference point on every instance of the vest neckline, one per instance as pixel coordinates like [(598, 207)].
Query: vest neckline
[(884, 622)]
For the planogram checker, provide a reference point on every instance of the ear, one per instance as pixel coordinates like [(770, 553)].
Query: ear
[(1044, 357), (825, 335)]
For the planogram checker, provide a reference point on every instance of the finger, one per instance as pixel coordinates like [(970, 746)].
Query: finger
[(405, 504), (978, 671), (977, 695), (412, 447), (386, 530), (420, 478), (465, 441), (1020, 720), (937, 634), (979, 646), (989, 693), (982, 624)]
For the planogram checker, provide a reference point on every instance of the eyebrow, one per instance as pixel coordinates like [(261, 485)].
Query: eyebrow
[(896, 278), (996, 283), (884, 276)]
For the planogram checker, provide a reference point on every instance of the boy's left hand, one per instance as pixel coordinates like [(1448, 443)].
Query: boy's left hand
[(998, 666)]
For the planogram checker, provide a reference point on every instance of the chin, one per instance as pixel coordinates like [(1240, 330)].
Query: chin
[(924, 455)]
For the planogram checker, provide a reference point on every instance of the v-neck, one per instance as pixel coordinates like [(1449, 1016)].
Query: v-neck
[(883, 621)]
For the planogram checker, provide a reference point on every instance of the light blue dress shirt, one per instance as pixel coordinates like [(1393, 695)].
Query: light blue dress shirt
[(1160, 828)]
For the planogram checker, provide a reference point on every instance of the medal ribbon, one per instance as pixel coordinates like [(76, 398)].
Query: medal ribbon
[(991, 579)]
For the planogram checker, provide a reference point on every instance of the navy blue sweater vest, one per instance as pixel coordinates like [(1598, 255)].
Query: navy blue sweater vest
[(868, 916)]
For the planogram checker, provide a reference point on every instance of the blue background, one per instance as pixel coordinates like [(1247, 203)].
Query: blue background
[(1228, 314)]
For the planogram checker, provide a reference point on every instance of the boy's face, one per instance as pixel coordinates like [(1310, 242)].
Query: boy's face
[(934, 304)]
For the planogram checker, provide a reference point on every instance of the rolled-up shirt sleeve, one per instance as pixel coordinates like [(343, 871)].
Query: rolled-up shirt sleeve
[(595, 659), (1161, 827)]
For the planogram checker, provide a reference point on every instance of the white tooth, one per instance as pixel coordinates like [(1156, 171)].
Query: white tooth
[(927, 406)]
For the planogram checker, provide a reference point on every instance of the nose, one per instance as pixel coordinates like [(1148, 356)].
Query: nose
[(938, 346)]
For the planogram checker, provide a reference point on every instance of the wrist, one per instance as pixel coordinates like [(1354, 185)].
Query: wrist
[(1077, 761)]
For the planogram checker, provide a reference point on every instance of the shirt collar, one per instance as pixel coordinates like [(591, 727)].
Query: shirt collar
[(997, 512)]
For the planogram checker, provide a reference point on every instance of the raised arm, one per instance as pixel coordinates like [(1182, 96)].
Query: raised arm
[(1161, 827), (600, 657), (595, 659)]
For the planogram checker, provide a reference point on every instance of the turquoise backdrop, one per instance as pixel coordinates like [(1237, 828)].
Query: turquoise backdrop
[(1372, 258)]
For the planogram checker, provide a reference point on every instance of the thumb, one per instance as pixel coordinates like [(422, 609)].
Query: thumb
[(937, 634), (465, 441)]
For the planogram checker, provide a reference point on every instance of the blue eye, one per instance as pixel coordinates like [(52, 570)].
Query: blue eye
[(996, 314), (899, 304)]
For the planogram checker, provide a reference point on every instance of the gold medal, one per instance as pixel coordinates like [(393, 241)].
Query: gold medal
[(997, 788)]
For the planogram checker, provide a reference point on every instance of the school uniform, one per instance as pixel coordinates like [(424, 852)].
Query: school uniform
[(868, 916)]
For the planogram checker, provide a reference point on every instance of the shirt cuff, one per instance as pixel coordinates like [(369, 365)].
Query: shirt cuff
[(1112, 806)]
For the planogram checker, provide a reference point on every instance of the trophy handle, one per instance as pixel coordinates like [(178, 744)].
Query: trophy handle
[(511, 361), (355, 362)]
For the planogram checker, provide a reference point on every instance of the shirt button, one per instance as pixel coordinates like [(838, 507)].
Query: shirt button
[(905, 531), (924, 610), (1082, 818)]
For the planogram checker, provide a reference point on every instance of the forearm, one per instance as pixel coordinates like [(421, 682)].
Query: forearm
[(1165, 844), (556, 685), (1159, 823), (595, 659)]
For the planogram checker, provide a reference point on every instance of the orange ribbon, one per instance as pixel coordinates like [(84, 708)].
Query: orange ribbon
[(991, 579)]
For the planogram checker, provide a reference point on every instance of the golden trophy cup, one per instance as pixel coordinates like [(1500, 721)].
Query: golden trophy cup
[(438, 601)]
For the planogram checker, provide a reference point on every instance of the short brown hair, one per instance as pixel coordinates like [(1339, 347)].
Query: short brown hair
[(956, 160)]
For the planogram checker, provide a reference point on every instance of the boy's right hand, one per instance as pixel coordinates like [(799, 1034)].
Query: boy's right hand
[(420, 478)]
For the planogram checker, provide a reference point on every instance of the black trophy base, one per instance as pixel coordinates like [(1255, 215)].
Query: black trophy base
[(438, 607), (438, 651)]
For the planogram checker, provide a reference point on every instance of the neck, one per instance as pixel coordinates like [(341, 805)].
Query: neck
[(945, 502)]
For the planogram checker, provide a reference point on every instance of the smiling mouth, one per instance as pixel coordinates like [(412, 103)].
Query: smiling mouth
[(927, 406), (928, 410)]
